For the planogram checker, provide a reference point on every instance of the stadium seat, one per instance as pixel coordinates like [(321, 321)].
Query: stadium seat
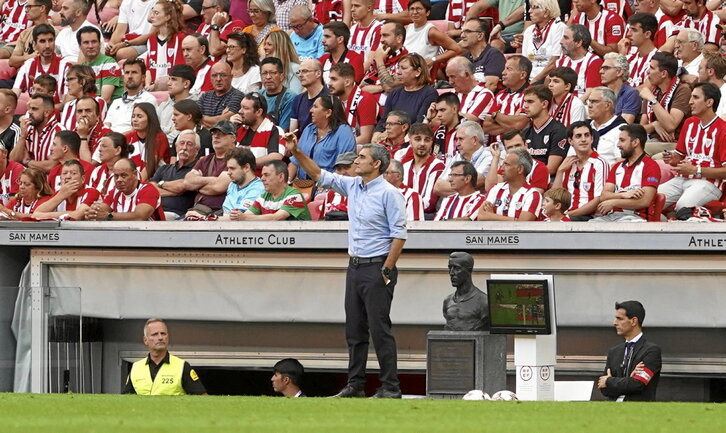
[(6, 72), (22, 107), (716, 207), (316, 209), (442, 25), (160, 96), (656, 207)]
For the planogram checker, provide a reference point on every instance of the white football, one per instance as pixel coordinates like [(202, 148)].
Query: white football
[(504, 395), (476, 394)]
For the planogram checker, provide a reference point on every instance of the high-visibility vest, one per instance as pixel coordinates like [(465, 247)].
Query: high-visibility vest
[(168, 380)]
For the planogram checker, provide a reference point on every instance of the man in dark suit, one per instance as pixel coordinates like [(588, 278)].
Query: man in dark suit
[(633, 367), (287, 377)]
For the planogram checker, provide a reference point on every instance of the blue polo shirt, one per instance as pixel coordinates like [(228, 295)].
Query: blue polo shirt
[(310, 47), (629, 101)]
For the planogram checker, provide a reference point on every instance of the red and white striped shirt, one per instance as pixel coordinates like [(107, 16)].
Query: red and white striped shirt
[(706, 25), (607, 27), (456, 206), (68, 115), (414, 207), (628, 177), (102, 180), (587, 68), (361, 109), (145, 193), (538, 177), (41, 141), (509, 102), (12, 20), (203, 82), (161, 56), (704, 145), (587, 183), (351, 57), (33, 67), (571, 109), (525, 199), (86, 196), (334, 202), (390, 6), (19, 205), (9, 180), (54, 177), (446, 142), (620, 8), (365, 39), (456, 12), (639, 66), (422, 180), (478, 102)]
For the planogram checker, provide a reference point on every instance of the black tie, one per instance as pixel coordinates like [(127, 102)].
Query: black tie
[(628, 356)]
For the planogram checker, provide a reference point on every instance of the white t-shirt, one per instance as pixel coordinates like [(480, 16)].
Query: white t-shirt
[(249, 82), (66, 44), (550, 46), (135, 13), (721, 111), (118, 116), (692, 67)]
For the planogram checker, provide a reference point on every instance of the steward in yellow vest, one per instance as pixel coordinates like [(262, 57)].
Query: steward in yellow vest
[(161, 373)]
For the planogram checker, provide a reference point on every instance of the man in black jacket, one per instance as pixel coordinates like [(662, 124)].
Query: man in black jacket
[(633, 367)]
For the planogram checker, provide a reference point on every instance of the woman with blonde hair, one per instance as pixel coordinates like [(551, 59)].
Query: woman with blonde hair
[(278, 44), (262, 14), (164, 47), (33, 190), (541, 41)]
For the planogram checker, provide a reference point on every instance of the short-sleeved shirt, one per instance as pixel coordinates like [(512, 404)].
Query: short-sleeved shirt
[(586, 183), (629, 101), (680, 100), (505, 8), (456, 206), (301, 108), (607, 27), (15, 20), (350, 57), (9, 137), (212, 104), (291, 201), (587, 69), (145, 193), (365, 39), (627, 177), (241, 198), (549, 46), (550, 139), (86, 196), (211, 166), (118, 116), (9, 181), (415, 103), (190, 381), (525, 199), (135, 13), (282, 116), (704, 145), (108, 73), (310, 47), (178, 204), (490, 62), (54, 176)]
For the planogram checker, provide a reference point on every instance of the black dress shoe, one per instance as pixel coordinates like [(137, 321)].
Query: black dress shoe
[(349, 392), (387, 393)]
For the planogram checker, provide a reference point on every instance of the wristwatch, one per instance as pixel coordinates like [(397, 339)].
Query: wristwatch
[(110, 216), (214, 27), (433, 59), (386, 272), (127, 44), (653, 101), (161, 183), (698, 172)]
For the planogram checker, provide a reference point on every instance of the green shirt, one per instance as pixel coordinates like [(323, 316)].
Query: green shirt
[(291, 201), (107, 72), (505, 8)]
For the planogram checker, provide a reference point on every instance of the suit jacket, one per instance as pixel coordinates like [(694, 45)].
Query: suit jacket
[(641, 387)]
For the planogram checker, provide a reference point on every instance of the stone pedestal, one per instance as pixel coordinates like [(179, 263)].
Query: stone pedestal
[(459, 361)]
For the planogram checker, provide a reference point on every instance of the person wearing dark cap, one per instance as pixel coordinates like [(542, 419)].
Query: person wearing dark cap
[(209, 176), (335, 205), (179, 84), (287, 376), (633, 367)]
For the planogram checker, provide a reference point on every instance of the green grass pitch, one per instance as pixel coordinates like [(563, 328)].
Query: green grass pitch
[(134, 414)]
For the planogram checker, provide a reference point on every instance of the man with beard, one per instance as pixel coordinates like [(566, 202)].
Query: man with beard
[(118, 116), (576, 54), (36, 11), (632, 182), (37, 131), (46, 62), (335, 44), (258, 133), (73, 15), (89, 126), (109, 83), (361, 108), (443, 116), (245, 186), (129, 200), (381, 75), (422, 171), (169, 178), (545, 137)]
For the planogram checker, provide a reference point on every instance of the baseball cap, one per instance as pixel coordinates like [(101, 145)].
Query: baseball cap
[(346, 158), (225, 127)]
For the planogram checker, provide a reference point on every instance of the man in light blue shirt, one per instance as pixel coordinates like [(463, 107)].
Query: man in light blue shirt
[(245, 186), (307, 35), (376, 234)]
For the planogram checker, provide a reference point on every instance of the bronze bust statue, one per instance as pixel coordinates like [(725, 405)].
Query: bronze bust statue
[(467, 308)]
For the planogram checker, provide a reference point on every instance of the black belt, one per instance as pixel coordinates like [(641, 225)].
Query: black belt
[(355, 261)]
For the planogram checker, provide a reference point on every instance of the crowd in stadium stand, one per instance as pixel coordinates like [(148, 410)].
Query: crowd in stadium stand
[(545, 110)]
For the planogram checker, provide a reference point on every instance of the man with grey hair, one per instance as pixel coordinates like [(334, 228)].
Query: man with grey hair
[(307, 34), (470, 139), (576, 54), (414, 204), (464, 204), (477, 101), (513, 199), (169, 178), (376, 234), (175, 376), (689, 51), (283, 12), (601, 110), (217, 25), (614, 74)]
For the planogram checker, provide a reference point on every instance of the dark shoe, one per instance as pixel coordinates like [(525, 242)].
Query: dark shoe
[(350, 392), (386, 393)]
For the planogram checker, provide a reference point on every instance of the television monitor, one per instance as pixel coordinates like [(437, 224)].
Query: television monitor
[(519, 306)]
